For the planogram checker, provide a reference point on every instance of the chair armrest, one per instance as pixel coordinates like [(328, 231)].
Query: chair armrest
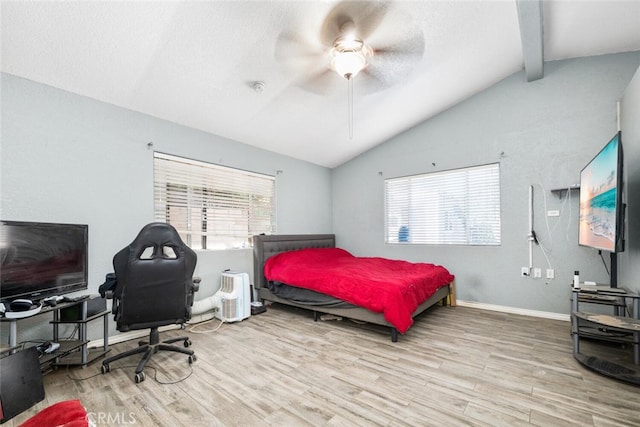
[(196, 284)]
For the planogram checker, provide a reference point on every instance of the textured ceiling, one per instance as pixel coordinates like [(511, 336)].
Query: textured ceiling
[(194, 62)]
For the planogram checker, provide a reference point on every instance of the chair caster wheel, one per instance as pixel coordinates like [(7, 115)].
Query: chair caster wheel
[(139, 377), (187, 343), (105, 368), (192, 359)]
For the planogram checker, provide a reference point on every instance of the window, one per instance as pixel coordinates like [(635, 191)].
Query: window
[(212, 207), (457, 207)]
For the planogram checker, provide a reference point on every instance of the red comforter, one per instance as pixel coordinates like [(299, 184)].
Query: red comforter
[(392, 287)]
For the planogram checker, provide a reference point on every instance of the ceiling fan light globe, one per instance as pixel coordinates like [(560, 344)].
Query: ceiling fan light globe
[(348, 63)]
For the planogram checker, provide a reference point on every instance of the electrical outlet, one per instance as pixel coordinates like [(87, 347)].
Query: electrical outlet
[(524, 271), (550, 273), (537, 273)]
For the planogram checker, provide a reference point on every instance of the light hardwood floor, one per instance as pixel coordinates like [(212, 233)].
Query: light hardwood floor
[(457, 366)]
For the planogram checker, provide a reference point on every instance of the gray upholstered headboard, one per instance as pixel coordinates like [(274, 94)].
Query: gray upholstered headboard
[(267, 246)]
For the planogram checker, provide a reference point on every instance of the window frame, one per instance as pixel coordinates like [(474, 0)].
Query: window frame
[(217, 207), (462, 217)]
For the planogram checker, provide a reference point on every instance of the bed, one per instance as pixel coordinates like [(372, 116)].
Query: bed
[(265, 247)]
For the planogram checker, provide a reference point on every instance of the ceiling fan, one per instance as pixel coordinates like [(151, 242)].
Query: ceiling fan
[(375, 43)]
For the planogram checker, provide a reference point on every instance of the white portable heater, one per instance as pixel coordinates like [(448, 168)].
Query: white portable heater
[(234, 296)]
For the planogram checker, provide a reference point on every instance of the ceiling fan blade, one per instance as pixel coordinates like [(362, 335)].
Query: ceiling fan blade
[(322, 82), (293, 50), (388, 68), (365, 15), (381, 77), (307, 60), (412, 46), (394, 60)]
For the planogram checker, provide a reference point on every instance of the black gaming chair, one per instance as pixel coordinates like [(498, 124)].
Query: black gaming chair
[(155, 287)]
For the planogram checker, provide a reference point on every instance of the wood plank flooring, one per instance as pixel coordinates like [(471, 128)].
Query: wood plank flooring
[(457, 366)]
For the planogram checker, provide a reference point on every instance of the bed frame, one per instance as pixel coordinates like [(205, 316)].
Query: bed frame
[(267, 246)]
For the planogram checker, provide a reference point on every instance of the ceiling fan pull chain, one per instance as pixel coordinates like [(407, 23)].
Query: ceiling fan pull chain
[(350, 103)]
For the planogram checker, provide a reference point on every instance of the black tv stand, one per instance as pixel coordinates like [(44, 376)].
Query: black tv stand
[(617, 328), (72, 351)]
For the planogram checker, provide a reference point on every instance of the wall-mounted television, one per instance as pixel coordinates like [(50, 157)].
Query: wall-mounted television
[(39, 259), (601, 208)]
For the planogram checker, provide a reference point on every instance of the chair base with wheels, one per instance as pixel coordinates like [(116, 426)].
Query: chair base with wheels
[(149, 349)]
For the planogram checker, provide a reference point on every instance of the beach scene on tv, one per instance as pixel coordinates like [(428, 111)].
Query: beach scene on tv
[(598, 194)]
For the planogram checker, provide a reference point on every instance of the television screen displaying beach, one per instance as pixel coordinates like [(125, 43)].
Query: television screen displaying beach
[(598, 196)]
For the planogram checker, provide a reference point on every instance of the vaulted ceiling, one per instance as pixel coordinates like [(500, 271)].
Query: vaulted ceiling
[(196, 63)]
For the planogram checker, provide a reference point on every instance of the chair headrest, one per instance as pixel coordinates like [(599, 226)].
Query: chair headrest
[(157, 235)]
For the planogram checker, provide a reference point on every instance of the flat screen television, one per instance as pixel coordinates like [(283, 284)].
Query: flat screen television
[(39, 260), (601, 208)]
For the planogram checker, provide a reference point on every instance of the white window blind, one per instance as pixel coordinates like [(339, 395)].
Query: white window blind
[(211, 206), (458, 207)]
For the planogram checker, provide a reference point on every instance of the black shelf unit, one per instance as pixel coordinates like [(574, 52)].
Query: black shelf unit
[(620, 328), (48, 361), (76, 352), (71, 351)]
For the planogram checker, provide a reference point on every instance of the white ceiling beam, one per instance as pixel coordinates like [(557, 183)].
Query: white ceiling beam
[(531, 33)]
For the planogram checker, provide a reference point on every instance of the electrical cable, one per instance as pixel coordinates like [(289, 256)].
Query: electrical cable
[(155, 375), (68, 375), (547, 250), (546, 257), (546, 219), (206, 331), (562, 208), (72, 335), (604, 262), (543, 249)]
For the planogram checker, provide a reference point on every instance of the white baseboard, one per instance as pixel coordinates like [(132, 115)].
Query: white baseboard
[(144, 333), (515, 310), (127, 336)]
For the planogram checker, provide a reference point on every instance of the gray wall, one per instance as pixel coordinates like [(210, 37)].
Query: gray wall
[(629, 260), (68, 158), (542, 133)]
